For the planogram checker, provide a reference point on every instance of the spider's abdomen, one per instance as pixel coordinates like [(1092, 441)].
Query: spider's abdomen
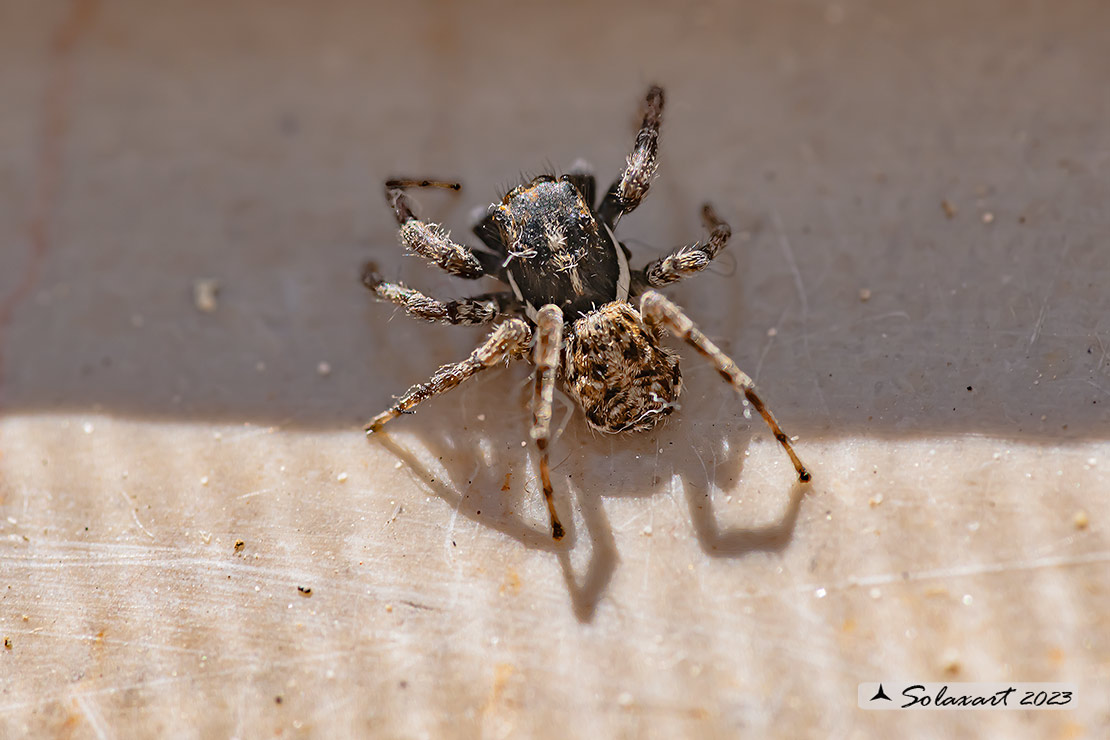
[(616, 370), (559, 252)]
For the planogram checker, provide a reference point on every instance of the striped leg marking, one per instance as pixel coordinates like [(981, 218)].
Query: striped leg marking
[(549, 336)]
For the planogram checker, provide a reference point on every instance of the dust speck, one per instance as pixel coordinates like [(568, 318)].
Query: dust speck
[(206, 294)]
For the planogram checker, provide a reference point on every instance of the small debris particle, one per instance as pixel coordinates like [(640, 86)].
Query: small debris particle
[(305, 590), (342, 477), (624, 699), (205, 294), (481, 417), (87, 427), (864, 295), (239, 545), (323, 369), (969, 389), (389, 608), (950, 661), (277, 699), (8, 643), (398, 465), (950, 210), (1092, 461), (875, 593), (523, 443), (820, 593), (772, 332), (966, 600), (988, 217), (647, 530), (1081, 520), (204, 480), (508, 480), (876, 500)]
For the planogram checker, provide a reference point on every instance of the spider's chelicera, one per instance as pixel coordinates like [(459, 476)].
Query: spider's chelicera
[(569, 301)]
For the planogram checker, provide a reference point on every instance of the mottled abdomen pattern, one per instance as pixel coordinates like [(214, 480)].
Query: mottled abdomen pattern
[(616, 370)]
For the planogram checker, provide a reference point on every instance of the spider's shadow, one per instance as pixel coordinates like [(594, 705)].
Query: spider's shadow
[(494, 494)]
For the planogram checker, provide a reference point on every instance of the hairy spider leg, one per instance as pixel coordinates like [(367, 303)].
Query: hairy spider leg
[(631, 187), (428, 239), (479, 309), (686, 261), (549, 336), (657, 310), (507, 341)]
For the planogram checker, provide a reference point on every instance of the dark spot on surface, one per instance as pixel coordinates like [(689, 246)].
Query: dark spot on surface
[(305, 590), (724, 374), (804, 476), (557, 530), (969, 388), (277, 700), (289, 125), (780, 437)]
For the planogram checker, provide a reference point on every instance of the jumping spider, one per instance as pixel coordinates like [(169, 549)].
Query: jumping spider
[(569, 300)]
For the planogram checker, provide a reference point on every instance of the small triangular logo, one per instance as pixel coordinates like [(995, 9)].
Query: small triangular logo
[(880, 694)]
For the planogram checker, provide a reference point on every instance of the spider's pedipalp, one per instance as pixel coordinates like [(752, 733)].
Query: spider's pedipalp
[(658, 311)]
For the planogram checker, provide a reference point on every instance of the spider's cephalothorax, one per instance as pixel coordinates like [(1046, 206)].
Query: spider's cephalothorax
[(558, 251), (569, 300)]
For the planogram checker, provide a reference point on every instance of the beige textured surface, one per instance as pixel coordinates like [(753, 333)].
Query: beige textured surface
[(956, 421)]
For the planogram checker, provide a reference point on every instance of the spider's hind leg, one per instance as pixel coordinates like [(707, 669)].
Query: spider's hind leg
[(428, 239), (549, 335), (507, 341), (658, 311)]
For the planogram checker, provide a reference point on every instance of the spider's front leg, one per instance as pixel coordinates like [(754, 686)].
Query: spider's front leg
[(658, 311), (549, 337), (505, 342), (631, 187), (430, 240), (686, 261)]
